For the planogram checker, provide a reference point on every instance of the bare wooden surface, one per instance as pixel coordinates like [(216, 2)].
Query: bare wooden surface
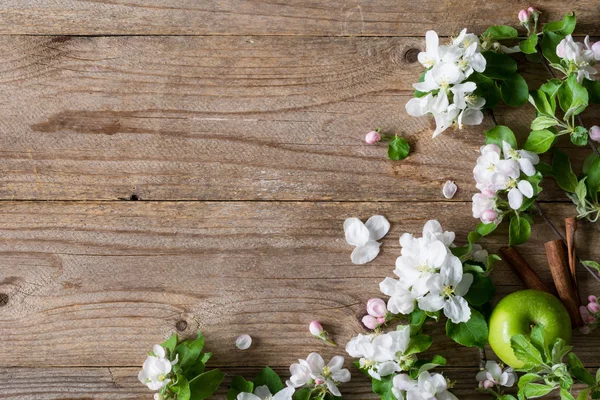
[(242, 135), (296, 17)]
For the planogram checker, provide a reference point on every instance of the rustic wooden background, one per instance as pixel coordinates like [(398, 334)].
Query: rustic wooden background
[(181, 165)]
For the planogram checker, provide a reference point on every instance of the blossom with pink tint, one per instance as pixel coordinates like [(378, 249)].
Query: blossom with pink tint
[(594, 308), (592, 299), (595, 130), (534, 11), (588, 318), (376, 308), (524, 16), (372, 137), (370, 322), (489, 216), (315, 328)]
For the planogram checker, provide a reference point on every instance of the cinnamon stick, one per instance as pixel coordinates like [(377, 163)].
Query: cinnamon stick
[(520, 267), (561, 274), (571, 227)]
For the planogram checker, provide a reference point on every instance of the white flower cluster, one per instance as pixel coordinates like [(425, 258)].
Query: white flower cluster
[(382, 354), (426, 387), (580, 56), (431, 277), (495, 174), (263, 393), (494, 375), (313, 372), (449, 97), (156, 371)]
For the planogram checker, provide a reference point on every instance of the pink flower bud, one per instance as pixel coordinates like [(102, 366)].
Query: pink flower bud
[(595, 133), (376, 308), (372, 137), (588, 319), (533, 11), (592, 299), (524, 16), (381, 320), (315, 328), (489, 216), (585, 330), (594, 307), (370, 322), (319, 381)]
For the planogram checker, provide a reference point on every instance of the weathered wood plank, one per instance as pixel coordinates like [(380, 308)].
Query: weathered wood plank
[(200, 118), (247, 17), (95, 284)]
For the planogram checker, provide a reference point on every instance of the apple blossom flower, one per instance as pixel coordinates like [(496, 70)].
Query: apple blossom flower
[(401, 299), (595, 130), (521, 189), (449, 189), (446, 291), (156, 370), (493, 375), (579, 55), (377, 311), (484, 208), (432, 230), (263, 393), (416, 265), (492, 172), (243, 342), (313, 371), (592, 299), (383, 354), (426, 387), (593, 308), (365, 236), (524, 16), (526, 159), (372, 137), (588, 318)]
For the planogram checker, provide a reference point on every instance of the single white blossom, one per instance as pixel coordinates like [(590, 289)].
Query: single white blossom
[(365, 236), (449, 189), (426, 387), (516, 193), (493, 375), (156, 370), (430, 56), (492, 172), (582, 55), (313, 371), (243, 342), (263, 393), (401, 299), (526, 159)]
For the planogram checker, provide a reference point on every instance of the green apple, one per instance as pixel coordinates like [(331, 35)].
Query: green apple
[(519, 312)]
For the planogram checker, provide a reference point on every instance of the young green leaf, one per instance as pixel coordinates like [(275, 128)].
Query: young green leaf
[(578, 370), (537, 339), (564, 27), (519, 230), (171, 343), (428, 365), (528, 46), (498, 65), (563, 173), (525, 351), (527, 379), (203, 386), (591, 264), (551, 87), (514, 90), (301, 394), (384, 387), (239, 385), (268, 377), (500, 32), (559, 350), (593, 88), (539, 141), (416, 319), (572, 97), (542, 122), (481, 291), (418, 344), (550, 41), (579, 136), (485, 229), (472, 333), (500, 133), (584, 394), (534, 390), (398, 148), (589, 160), (181, 388), (541, 101), (593, 179)]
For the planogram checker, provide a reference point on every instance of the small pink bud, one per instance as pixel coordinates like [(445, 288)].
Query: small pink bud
[(594, 308), (585, 330), (489, 216), (592, 299), (488, 384), (533, 11), (376, 308), (319, 381), (315, 328), (381, 320), (524, 16), (586, 316), (370, 322), (595, 133), (372, 137)]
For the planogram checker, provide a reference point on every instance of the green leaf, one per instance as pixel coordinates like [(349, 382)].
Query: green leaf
[(537, 340), (579, 136), (539, 141), (472, 333), (528, 46), (549, 42), (551, 87), (559, 350), (542, 103), (563, 173), (485, 229), (416, 319), (429, 365), (181, 388), (506, 397), (591, 264), (584, 394), (481, 291), (418, 344), (269, 378), (572, 97), (593, 179), (533, 390), (398, 148), (500, 32), (203, 386), (542, 122), (498, 134), (525, 351), (239, 385), (302, 394), (593, 88), (486, 88), (171, 343), (384, 387), (190, 350), (579, 371), (518, 230), (498, 65), (528, 378), (589, 160), (418, 93), (564, 27), (514, 90)]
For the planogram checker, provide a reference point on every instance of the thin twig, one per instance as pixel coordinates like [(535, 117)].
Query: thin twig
[(482, 359)]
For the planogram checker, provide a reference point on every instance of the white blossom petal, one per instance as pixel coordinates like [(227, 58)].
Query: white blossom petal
[(465, 284), (378, 227), (431, 302), (243, 342), (457, 310), (515, 198), (366, 253), (262, 391), (449, 189), (356, 232), (525, 188)]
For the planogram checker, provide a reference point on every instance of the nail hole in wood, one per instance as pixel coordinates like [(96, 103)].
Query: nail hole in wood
[(3, 299), (181, 325), (411, 55), (134, 197)]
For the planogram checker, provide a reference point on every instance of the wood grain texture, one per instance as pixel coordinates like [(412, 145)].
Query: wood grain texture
[(251, 17), (201, 118), (120, 383), (96, 284)]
